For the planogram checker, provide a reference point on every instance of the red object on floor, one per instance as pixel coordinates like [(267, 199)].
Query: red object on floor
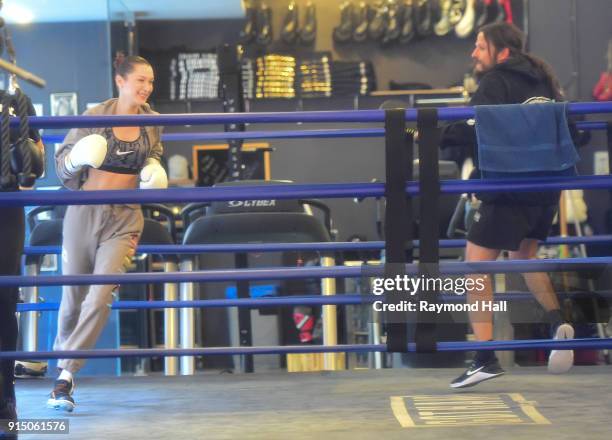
[(305, 324)]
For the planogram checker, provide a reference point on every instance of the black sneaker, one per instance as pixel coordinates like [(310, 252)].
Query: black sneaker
[(478, 372), (560, 361), (61, 396), (28, 368)]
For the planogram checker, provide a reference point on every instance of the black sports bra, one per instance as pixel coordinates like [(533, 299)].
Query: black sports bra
[(125, 157)]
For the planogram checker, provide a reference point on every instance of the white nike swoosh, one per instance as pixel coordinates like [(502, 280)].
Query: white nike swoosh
[(123, 153), (469, 372)]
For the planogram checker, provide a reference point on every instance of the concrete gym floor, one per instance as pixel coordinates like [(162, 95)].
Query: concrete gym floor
[(526, 403)]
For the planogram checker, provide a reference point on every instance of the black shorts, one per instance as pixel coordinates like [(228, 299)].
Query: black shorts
[(499, 226)]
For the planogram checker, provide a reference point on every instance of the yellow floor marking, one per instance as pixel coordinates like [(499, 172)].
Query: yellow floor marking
[(466, 397), (465, 410), (401, 413), (529, 409), (459, 405), (475, 423), (466, 413)]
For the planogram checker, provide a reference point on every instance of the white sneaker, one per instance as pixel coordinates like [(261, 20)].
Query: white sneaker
[(478, 372), (560, 361)]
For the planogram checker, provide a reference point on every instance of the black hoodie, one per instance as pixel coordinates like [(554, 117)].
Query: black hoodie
[(512, 82)]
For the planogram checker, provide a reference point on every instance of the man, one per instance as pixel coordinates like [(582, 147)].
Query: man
[(12, 233), (508, 221)]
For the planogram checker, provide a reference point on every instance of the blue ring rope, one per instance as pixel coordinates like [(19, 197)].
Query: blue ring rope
[(318, 300), (529, 344), (186, 195), (444, 114), (449, 268), (592, 125), (320, 246), (291, 134), (290, 191), (251, 135), (521, 185)]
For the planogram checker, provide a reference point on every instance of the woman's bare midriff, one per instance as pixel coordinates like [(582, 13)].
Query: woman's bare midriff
[(99, 180)]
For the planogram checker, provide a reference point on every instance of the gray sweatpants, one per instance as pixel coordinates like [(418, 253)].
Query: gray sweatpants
[(97, 239)]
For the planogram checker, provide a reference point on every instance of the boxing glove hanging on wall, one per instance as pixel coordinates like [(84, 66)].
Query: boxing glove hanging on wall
[(407, 33), (249, 32), (393, 28), (422, 18), (289, 32), (443, 26), (378, 24), (487, 13), (343, 32), (456, 12), (465, 27), (501, 12), (507, 6), (360, 33), (264, 25), (308, 33)]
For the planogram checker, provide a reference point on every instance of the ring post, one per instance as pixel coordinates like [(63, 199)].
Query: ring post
[(331, 361), (187, 322), (30, 319), (170, 322)]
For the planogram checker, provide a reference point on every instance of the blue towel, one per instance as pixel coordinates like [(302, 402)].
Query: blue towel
[(521, 140)]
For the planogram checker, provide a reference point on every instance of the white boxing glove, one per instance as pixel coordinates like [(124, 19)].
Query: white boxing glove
[(153, 175), (88, 151)]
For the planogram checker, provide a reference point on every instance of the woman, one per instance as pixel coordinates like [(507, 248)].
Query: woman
[(100, 239)]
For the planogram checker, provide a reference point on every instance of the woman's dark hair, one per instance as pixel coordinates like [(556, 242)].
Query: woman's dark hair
[(507, 36), (125, 64)]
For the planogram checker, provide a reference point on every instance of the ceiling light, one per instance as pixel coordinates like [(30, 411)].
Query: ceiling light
[(16, 13)]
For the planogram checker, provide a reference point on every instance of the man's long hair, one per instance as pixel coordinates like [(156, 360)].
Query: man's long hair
[(507, 36)]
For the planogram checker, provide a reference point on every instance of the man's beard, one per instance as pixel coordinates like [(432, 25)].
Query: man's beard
[(478, 74)]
